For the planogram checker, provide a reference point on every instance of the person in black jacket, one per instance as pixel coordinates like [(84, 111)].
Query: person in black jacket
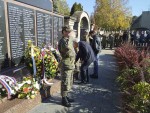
[(148, 38), (86, 56), (96, 46)]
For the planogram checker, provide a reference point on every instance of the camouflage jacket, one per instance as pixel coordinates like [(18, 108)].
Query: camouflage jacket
[(66, 49)]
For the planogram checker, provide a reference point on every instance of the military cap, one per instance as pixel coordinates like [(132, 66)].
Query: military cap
[(67, 28)]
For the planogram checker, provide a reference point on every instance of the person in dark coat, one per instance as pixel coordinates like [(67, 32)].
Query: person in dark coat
[(148, 38), (111, 40), (125, 37), (104, 41), (96, 46), (86, 55)]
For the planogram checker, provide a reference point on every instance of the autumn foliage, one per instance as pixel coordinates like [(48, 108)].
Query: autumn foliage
[(134, 77)]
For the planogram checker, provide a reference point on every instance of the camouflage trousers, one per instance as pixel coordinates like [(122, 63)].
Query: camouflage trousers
[(66, 81)]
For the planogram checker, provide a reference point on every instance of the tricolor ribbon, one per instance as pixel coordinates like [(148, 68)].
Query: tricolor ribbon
[(6, 85), (11, 78), (44, 80)]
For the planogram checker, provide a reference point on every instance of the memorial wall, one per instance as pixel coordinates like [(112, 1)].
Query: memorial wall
[(3, 40), (23, 20)]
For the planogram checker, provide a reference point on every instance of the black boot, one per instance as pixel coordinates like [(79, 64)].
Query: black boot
[(70, 99), (65, 102)]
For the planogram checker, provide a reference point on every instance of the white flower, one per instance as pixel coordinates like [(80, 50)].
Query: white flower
[(28, 97), (52, 49), (7, 80), (1, 86), (13, 92), (20, 85), (16, 88), (33, 79), (28, 81), (33, 92), (3, 89), (36, 85), (10, 82)]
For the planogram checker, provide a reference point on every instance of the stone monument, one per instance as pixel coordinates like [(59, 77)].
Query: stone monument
[(23, 20)]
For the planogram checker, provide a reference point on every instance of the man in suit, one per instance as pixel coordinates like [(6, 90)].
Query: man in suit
[(86, 56)]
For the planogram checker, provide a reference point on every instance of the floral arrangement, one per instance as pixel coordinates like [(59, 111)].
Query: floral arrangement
[(28, 88), (3, 92), (7, 86), (50, 63), (37, 58), (42, 63), (45, 60)]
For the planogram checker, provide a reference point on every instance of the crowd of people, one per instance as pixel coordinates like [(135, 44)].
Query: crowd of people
[(71, 50), (140, 38), (115, 39), (87, 50)]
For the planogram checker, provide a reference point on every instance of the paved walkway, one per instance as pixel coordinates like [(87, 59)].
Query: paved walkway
[(99, 96)]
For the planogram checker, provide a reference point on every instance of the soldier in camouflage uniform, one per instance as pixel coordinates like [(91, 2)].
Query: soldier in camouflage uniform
[(66, 65)]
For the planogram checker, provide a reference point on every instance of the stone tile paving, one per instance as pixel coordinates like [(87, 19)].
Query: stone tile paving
[(99, 96)]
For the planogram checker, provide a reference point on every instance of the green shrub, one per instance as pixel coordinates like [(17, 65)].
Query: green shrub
[(128, 78), (141, 99)]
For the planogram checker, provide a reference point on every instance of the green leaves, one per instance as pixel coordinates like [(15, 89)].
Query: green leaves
[(112, 15), (141, 100), (135, 66), (61, 7), (76, 7)]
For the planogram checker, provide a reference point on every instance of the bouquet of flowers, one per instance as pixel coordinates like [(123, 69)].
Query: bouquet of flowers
[(7, 86), (30, 53), (28, 88), (41, 61), (3, 92), (50, 63)]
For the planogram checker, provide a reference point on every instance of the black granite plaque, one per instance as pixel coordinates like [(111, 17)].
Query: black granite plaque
[(56, 31), (21, 28), (60, 28), (44, 29), (3, 42), (28, 26), (58, 23), (43, 4)]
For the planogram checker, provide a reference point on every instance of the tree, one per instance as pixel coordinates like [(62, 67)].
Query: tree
[(76, 7), (112, 14), (61, 7)]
